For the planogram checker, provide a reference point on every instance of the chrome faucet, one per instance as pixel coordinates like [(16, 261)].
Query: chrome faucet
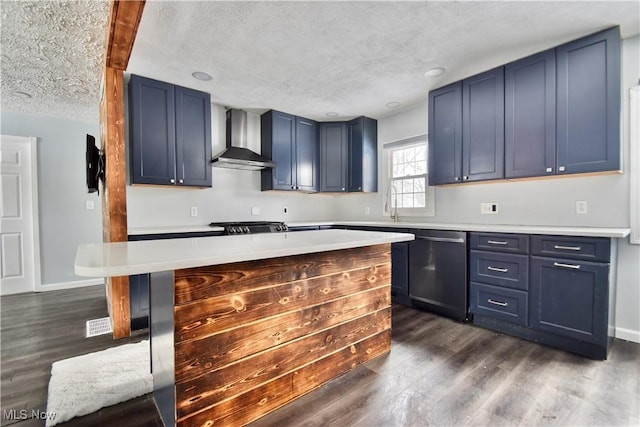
[(393, 210)]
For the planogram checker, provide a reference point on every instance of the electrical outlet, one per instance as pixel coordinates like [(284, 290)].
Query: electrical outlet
[(194, 211), (255, 211), (489, 208), (89, 205), (581, 207), (367, 210)]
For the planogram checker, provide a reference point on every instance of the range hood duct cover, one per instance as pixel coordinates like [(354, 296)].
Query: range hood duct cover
[(237, 155)]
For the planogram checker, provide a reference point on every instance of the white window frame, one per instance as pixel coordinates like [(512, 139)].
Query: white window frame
[(429, 197), (634, 143)]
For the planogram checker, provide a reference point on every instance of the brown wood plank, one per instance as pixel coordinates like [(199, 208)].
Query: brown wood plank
[(257, 402), (219, 383), (204, 282), (231, 345), (227, 311), (114, 196), (123, 26)]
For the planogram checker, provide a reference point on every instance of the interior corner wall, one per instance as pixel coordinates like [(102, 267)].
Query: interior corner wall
[(64, 221)]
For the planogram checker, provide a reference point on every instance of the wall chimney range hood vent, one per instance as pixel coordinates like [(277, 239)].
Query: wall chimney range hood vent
[(237, 155)]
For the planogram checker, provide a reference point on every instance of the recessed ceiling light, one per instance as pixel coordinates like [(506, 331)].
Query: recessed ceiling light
[(434, 72), (393, 104), (332, 114), (201, 76), (24, 95)]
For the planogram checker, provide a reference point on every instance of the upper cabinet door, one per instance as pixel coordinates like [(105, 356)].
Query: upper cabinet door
[(306, 155), (483, 126), (278, 142), (363, 155), (588, 103), (152, 128), (334, 161), (193, 137), (445, 134), (530, 116)]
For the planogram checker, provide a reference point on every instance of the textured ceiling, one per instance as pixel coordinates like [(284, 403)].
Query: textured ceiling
[(306, 58), (52, 51)]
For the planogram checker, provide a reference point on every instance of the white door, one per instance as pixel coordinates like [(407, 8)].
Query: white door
[(19, 242)]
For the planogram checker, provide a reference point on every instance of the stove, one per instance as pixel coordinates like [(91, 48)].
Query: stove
[(251, 227)]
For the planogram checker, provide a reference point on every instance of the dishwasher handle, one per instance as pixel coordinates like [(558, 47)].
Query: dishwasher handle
[(441, 239)]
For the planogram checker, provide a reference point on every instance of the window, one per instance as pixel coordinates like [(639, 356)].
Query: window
[(408, 193), (408, 177)]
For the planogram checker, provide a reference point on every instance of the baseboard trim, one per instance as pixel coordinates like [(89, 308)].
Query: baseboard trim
[(69, 285), (627, 334)]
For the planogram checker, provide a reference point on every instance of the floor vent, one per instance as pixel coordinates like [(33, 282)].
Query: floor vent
[(97, 327)]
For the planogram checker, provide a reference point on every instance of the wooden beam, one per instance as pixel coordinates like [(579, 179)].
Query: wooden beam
[(123, 27), (114, 195)]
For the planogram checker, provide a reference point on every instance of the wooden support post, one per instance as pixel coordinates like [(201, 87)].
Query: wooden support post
[(123, 27)]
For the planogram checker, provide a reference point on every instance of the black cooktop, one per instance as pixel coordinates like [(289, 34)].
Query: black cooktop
[(251, 227)]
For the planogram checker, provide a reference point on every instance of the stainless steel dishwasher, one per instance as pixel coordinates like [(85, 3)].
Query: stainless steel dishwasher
[(438, 272)]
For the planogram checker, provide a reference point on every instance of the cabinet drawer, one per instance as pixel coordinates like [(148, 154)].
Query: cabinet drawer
[(509, 270), (500, 303), (513, 243), (582, 248)]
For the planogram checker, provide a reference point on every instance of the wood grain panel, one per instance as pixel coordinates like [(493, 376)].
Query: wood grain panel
[(259, 401), (225, 311), (223, 382), (123, 27), (204, 282), (114, 197), (231, 345)]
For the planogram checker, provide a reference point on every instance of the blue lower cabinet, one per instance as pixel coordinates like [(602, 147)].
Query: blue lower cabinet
[(570, 298), (498, 302), (400, 270)]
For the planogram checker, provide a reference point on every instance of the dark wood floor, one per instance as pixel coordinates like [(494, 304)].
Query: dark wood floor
[(439, 372)]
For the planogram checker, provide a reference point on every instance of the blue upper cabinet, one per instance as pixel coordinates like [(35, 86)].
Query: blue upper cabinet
[(530, 116), (291, 142), (334, 157), (170, 129), (193, 137), (306, 154), (588, 103), (363, 155), (555, 112), (483, 126), (445, 134)]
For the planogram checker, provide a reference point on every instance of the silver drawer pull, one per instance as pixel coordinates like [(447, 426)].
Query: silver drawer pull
[(497, 242), (499, 270), (560, 264), (500, 303), (568, 248)]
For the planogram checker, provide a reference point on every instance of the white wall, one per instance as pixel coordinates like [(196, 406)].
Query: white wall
[(62, 193), (539, 202), (233, 195)]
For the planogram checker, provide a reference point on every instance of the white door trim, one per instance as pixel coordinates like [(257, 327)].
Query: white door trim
[(35, 222)]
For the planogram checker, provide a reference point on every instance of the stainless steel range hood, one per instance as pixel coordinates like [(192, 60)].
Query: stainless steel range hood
[(237, 155)]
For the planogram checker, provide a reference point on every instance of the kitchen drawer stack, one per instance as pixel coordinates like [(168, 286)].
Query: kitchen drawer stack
[(556, 290)]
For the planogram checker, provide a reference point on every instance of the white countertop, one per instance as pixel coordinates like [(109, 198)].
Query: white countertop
[(127, 258), (612, 232)]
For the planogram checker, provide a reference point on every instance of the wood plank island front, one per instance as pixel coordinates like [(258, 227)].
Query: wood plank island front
[(241, 325)]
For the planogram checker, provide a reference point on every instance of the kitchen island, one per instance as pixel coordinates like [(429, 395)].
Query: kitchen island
[(241, 325)]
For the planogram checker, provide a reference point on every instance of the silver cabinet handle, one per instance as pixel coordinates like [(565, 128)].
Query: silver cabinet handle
[(562, 168), (561, 264), (500, 303), (568, 248), (465, 177), (497, 242), (181, 181), (441, 239), (457, 178), (499, 270), (173, 181), (549, 170)]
